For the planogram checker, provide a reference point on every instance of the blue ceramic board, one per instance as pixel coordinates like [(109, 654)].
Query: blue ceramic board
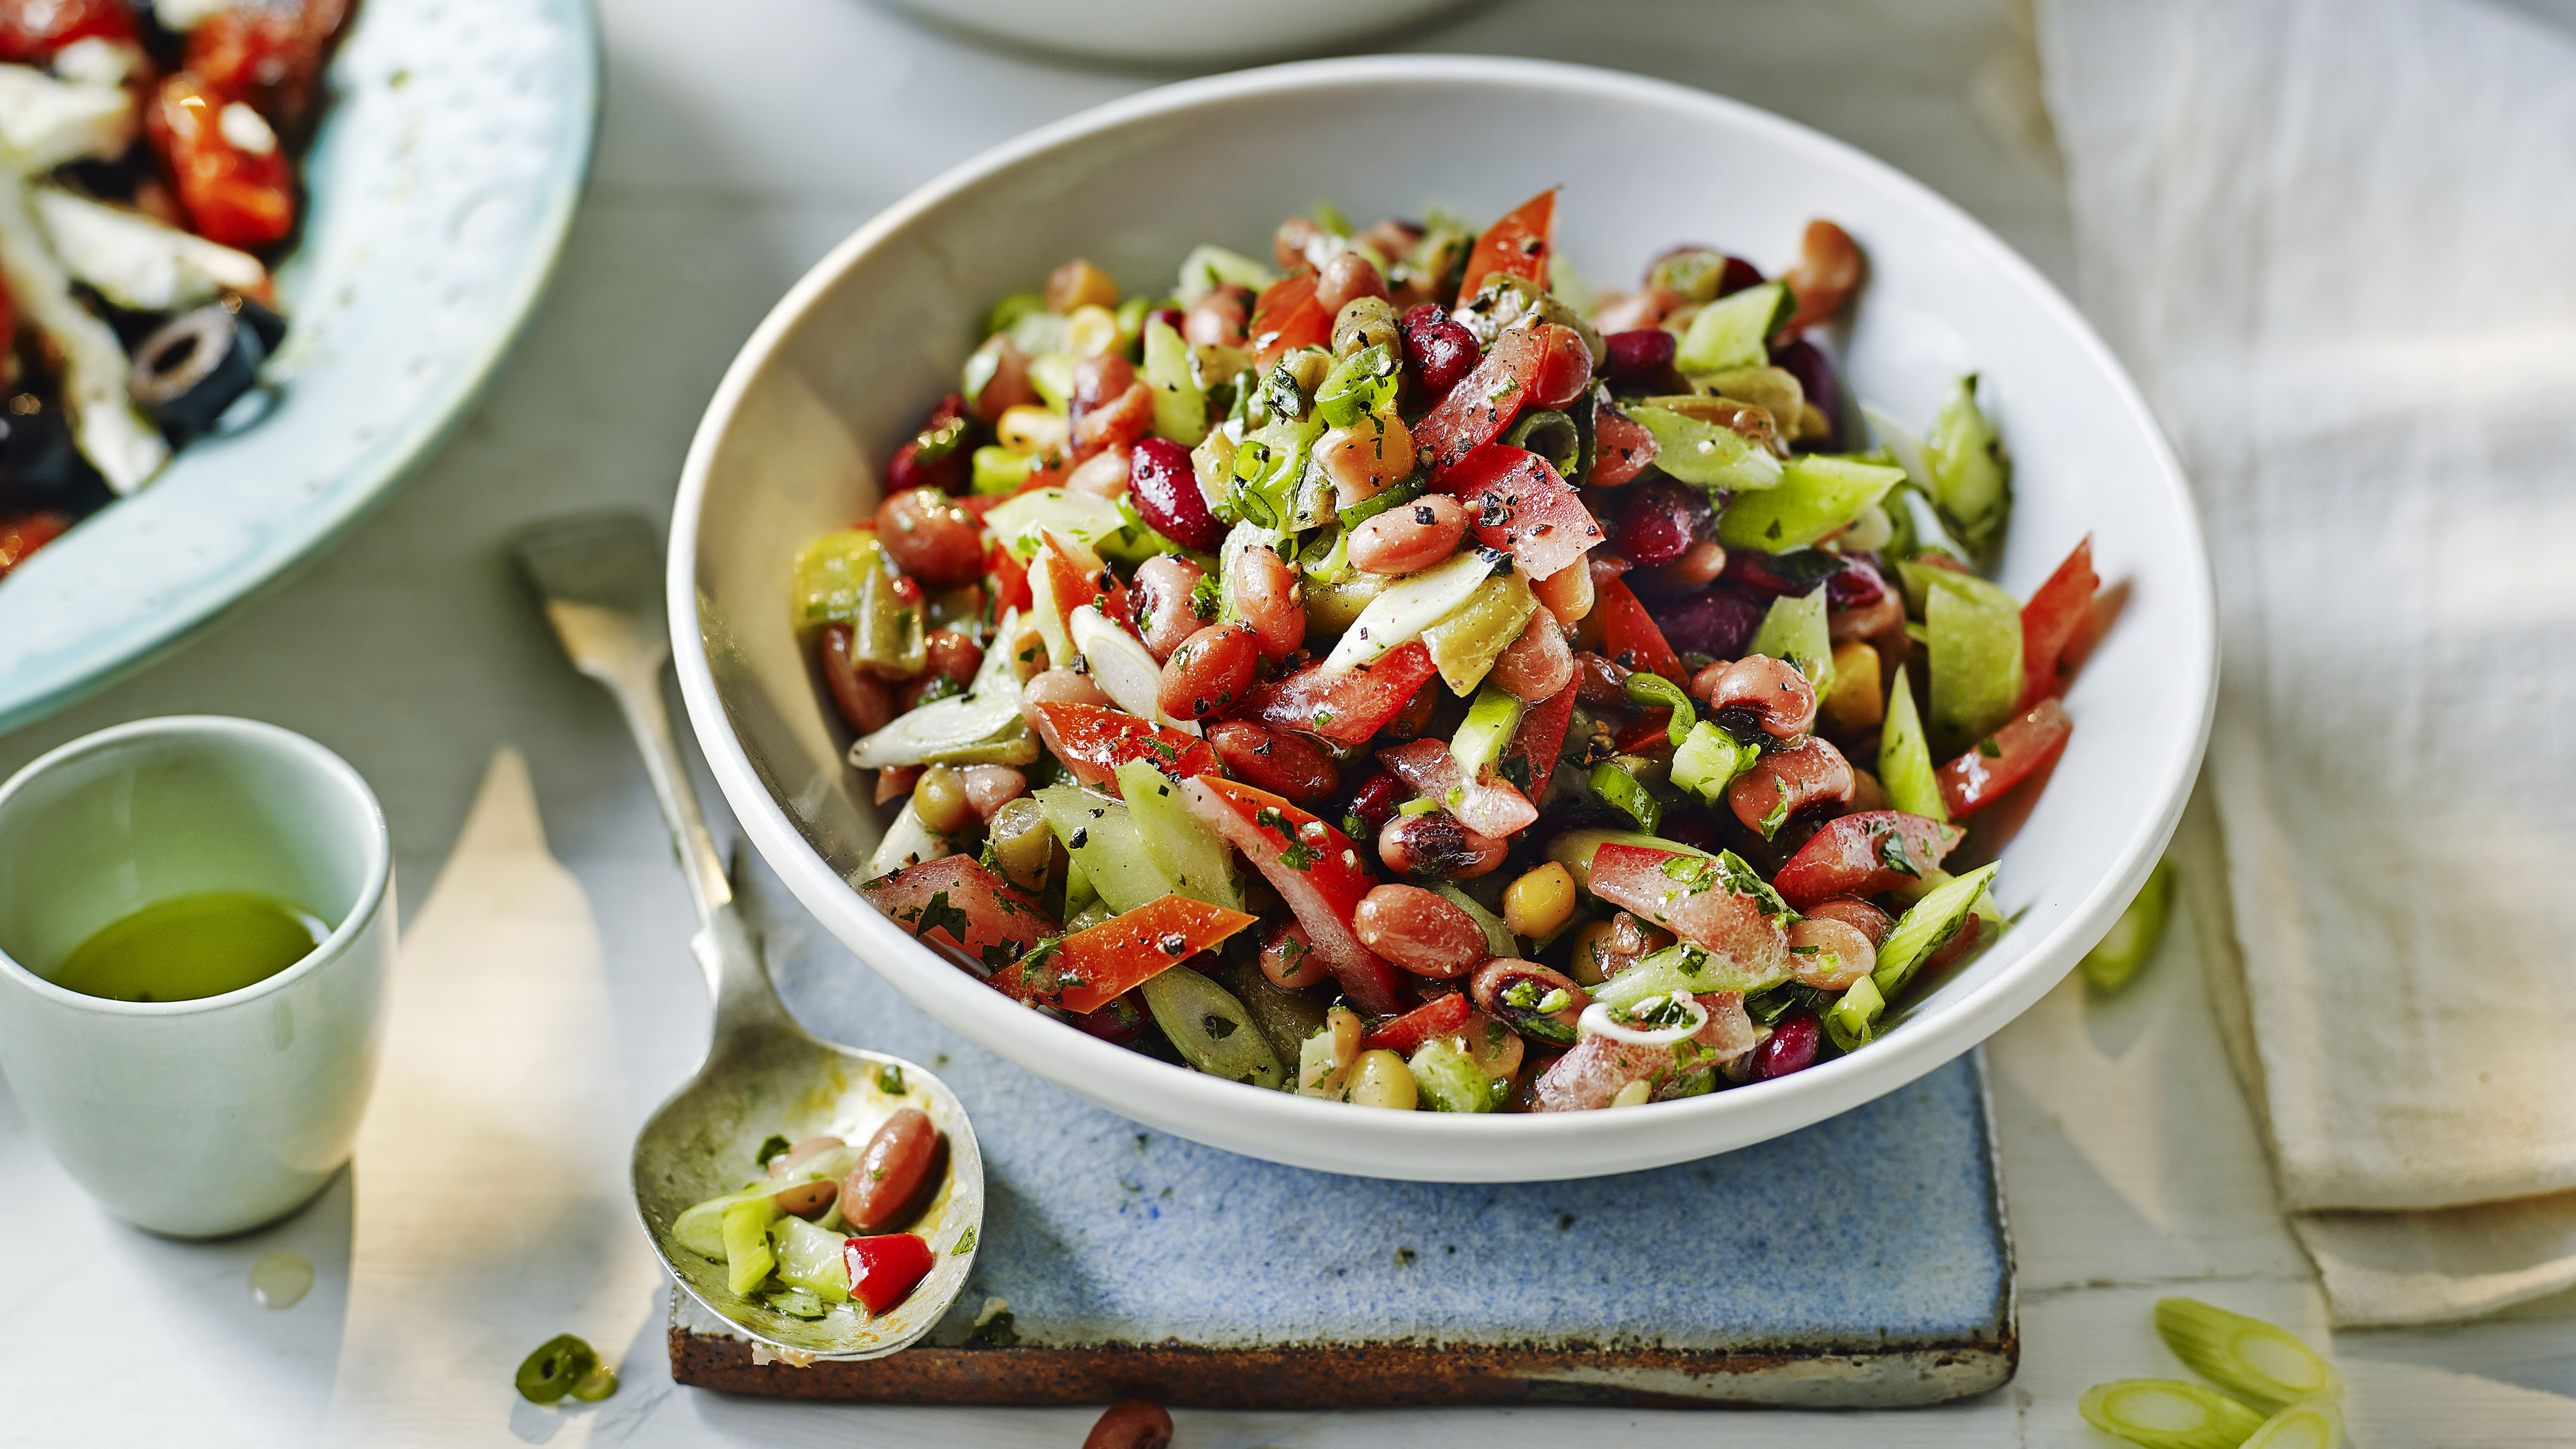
[(1861, 1261)]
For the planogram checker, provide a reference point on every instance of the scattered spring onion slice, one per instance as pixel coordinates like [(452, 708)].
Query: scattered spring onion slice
[(561, 1365), (2133, 938), (2258, 1362), (2317, 1425), (1597, 1020), (2167, 1414)]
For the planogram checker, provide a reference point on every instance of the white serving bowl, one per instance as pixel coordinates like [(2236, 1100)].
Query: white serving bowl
[(843, 368), (1176, 32)]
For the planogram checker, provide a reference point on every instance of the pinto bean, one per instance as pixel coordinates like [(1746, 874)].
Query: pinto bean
[(1166, 597), (1603, 949), (1365, 458), (1567, 593), (1217, 319), (1278, 761), (1861, 916), (1537, 665), (1266, 594), (952, 655), (1829, 955), (1788, 781), (990, 787), (1098, 380), (1829, 266), (864, 700), (805, 1199), (1603, 683), (1415, 717), (1522, 993), (1419, 931), (1345, 278), (1409, 537), (1704, 683), (1060, 686), (1079, 284), (1771, 690), (1131, 1424), (1288, 958), (1104, 474), (1435, 846), (890, 1172), (1289, 244), (1697, 568), (1123, 419), (932, 539), (1211, 670)]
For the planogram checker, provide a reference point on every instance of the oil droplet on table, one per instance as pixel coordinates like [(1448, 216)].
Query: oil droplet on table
[(280, 1280)]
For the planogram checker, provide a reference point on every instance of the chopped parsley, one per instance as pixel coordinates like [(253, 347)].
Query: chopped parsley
[(1891, 853), (940, 915), (890, 1080)]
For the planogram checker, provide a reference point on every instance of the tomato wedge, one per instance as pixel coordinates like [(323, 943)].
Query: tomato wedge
[(1094, 740), (1286, 317), (2050, 619), (1346, 706), (1483, 403), (1541, 738), (1517, 503), (1518, 245), (1441, 1016), (1630, 636), (1314, 867), (1692, 897), (1090, 969), (232, 194), (1488, 807), (884, 1270), (972, 910), (1010, 582), (1621, 446), (21, 534), (2001, 760), (1862, 854)]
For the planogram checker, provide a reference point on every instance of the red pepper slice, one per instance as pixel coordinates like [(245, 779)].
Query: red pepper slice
[(1621, 447), (1090, 969), (1518, 245), (2050, 619), (1286, 317), (979, 914), (1314, 867), (1441, 1016), (1862, 854), (238, 197), (1650, 732), (1517, 503), (1978, 778), (1630, 636), (1690, 896), (22, 534), (1483, 403), (1540, 740), (1346, 706), (1094, 740), (1010, 580), (884, 1270)]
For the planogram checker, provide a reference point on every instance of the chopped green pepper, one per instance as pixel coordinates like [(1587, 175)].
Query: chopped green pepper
[(888, 636), (1904, 760), (1180, 404), (1818, 496), (1971, 474), (1735, 330)]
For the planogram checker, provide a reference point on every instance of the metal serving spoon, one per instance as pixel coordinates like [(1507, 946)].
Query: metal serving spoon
[(600, 577)]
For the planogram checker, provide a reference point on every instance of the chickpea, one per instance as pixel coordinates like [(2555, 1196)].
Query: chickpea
[(1165, 592), (1267, 596), (1409, 537), (1288, 958), (1419, 931), (939, 798), (1381, 1079), (1274, 760), (1363, 323), (1079, 284), (1344, 1029), (1435, 846), (1345, 278), (1364, 459), (1537, 665), (1023, 846), (1567, 593), (1211, 670), (931, 538), (1540, 901), (1091, 331), (1131, 1424)]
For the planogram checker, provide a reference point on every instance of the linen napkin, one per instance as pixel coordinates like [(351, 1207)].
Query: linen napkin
[(2333, 240), (491, 1211)]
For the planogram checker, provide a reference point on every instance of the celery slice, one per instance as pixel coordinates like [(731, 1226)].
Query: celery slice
[(1853, 1019), (1971, 475), (1926, 925), (1101, 836), (1735, 330), (1410, 605), (1207, 268), (746, 1240), (1976, 664), (1905, 760), (1185, 851), (2133, 938), (2259, 1362), (1466, 641), (1685, 968), (2167, 1414), (1794, 630), (1818, 496), (1709, 760), (1710, 454), (999, 472), (1487, 731), (1452, 1082), (1180, 404), (809, 1257), (1051, 370)]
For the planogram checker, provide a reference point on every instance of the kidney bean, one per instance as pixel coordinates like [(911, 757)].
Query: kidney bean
[(1536, 666), (1771, 692), (1438, 350), (1125, 418), (1279, 761), (1697, 568), (1409, 537), (1435, 846), (1829, 955), (1211, 670), (1375, 798), (1791, 1047), (1829, 266), (1516, 990), (1345, 278), (1564, 368), (1217, 319), (952, 655), (1131, 1424), (1419, 931), (1165, 595), (1801, 777), (1266, 594), (1567, 593), (1364, 458), (1717, 621), (1864, 621), (1121, 1020), (865, 701), (1061, 686), (1603, 682), (1861, 916), (1659, 521), (1288, 958), (890, 1171), (931, 538), (1638, 353), (1290, 245), (1165, 485)]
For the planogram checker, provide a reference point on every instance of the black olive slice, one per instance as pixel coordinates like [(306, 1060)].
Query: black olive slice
[(186, 374)]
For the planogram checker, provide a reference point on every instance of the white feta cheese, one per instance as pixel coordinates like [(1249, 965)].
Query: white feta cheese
[(246, 128), (135, 261), (45, 122), (110, 431)]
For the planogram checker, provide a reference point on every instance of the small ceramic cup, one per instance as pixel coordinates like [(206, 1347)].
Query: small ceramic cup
[(208, 1117)]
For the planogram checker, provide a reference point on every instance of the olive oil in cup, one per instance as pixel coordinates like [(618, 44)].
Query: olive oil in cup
[(196, 916), (202, 944)]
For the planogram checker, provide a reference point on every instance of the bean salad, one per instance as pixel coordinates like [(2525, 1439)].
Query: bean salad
[(1389, 672)]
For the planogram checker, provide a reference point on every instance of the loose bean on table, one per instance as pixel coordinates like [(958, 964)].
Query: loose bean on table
[(1209, 671), (931, 539), (889, 1174), (1540, 901), (1131, 1424), (1409, 537), (1419, 931)]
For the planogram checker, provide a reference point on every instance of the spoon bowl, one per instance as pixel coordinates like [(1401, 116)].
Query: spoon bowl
[(599, 576)]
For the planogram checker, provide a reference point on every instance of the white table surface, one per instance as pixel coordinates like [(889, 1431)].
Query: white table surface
[(733, 154)]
